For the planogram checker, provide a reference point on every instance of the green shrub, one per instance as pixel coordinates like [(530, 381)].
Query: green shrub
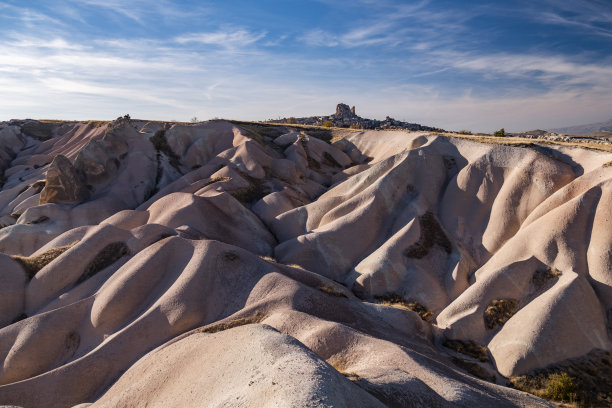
[(328, 123), (561, 387), (500, 133)]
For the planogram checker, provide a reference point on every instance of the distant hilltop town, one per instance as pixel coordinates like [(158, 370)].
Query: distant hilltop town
[(346, 117)]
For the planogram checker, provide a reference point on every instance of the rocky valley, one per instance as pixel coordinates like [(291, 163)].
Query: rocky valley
[(240, 264)]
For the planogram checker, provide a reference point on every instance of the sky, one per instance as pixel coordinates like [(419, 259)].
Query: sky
[(454, 64)]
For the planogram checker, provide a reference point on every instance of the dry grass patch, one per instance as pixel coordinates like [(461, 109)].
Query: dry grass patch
[(474, 368), (395, 300), (97, 123), (217, 180), (268, 258), (608, 164), (39, 220), (340, 364), (582, 382), (542, 277), (242, 321), (105, 258), (469, 348), (431, 234), (254, 192), (329, 160), (296, 266), (160, 143), (351, 376), (499, 312), (522, 142), (33, 264), (330, 290), (230, 256)]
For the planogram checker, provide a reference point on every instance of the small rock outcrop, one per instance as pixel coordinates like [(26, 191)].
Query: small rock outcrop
[(64, 183), (343, 111), (38, 130)]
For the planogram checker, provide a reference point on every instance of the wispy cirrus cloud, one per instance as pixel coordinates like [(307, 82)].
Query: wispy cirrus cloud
[(555, 71), (393, 25), (228, 38), (593, 17)]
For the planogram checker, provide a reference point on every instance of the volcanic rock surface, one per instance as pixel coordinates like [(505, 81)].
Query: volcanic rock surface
[(231, 264)]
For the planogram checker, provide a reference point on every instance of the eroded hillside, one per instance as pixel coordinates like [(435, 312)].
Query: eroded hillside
[(234, 264)]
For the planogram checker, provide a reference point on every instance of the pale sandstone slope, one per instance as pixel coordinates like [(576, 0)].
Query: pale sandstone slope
[(143, 233)]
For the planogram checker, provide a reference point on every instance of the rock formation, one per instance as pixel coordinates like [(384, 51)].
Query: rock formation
[(346, 117), (63, 183), (241, 264)]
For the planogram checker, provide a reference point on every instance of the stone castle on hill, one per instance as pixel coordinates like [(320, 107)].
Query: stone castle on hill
[(346, 117)]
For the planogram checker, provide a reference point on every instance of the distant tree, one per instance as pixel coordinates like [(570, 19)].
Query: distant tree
[(464, 132), (127, 116), (328, 123), (291, 120), (500, 133), (194, 119)]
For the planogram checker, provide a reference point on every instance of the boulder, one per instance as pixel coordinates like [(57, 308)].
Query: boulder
[(37, 130), (64, 183)]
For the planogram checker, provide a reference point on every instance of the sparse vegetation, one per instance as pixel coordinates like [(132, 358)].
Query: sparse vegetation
[(474, 368), (583, 381), (97, 123), (561, 387), (608, 164), (340, 363), (327, 123), (33, 264), (106, 257), (242, 321), (499, 312), (543, 276), (217, 180), (254, 192), (230, 256), (39, 220), (268, 258), (351, 376), (431, 234), (329, 160), (161, 145), (469, 348), (296, 266), (500, 133), (395, 300), (291, 121), (464, 132), (38, 185), (330, 290)]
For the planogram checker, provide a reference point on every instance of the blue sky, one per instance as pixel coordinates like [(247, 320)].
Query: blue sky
[(477, 65)]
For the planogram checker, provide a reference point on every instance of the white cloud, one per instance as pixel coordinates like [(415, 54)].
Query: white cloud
[(320, 38), (224, 38)]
